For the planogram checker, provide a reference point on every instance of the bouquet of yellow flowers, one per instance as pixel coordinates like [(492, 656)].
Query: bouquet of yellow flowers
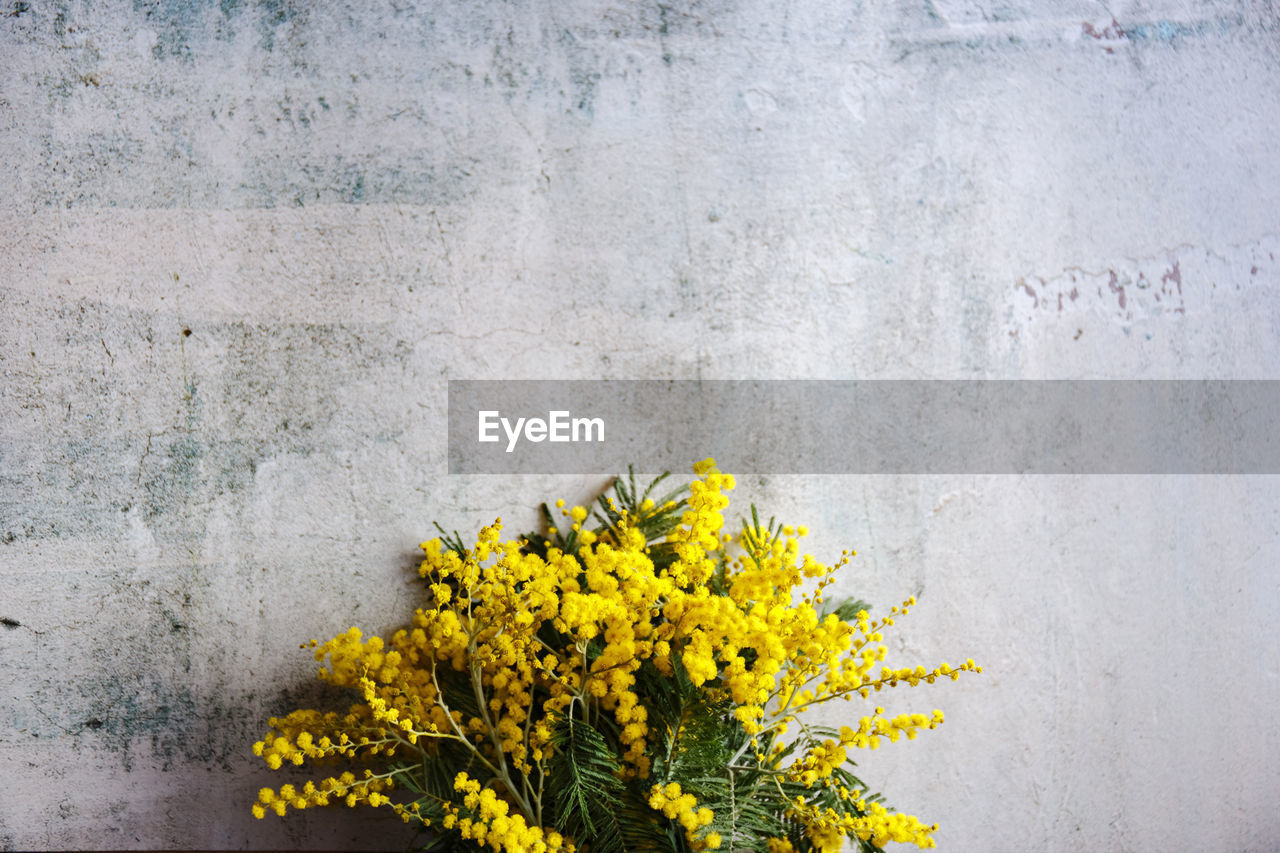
[(636, 684)]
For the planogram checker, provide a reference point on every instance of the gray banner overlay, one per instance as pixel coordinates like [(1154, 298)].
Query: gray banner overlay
[(865, 427)]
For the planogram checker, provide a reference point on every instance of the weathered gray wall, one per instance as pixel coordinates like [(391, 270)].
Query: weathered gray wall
[(346, 206)]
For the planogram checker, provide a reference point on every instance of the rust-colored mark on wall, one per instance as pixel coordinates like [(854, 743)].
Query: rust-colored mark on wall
[(1134, 290), (1115, 287), (1030, 292), (1112, 32)]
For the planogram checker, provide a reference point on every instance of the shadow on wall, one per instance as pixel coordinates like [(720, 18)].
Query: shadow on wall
[(314, 828)]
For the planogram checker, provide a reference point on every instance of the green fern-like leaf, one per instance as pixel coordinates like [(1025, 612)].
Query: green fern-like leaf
[(451, 543), (583, 774), (848, 610)]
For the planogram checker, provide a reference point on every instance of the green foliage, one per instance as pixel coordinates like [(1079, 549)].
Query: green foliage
[(582, 773), (848, 610), (699, 747), (592, 803), (656, 520), (453, 543), (755, 538), (431, 779)]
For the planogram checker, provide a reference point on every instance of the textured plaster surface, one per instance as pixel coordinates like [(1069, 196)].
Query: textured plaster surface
[(243, 245)]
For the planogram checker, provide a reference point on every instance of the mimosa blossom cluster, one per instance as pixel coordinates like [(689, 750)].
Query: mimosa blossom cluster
[(520, 639)]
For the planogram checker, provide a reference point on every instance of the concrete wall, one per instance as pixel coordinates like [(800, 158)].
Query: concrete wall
[(244, 245)]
